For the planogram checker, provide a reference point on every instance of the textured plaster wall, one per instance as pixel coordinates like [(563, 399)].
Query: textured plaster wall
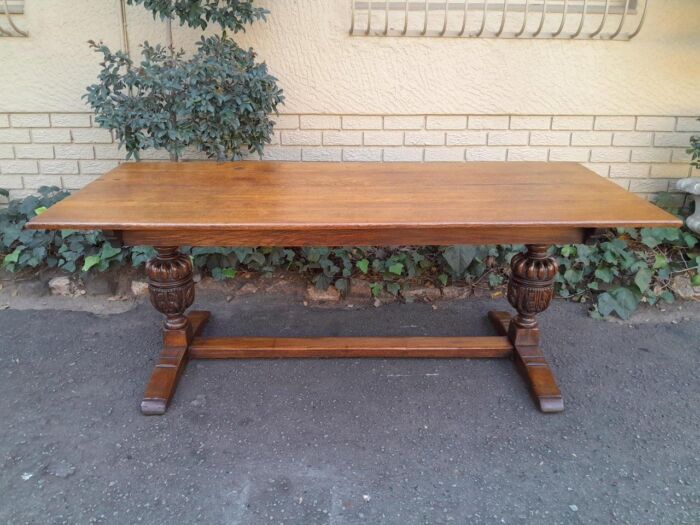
[(325, 71)]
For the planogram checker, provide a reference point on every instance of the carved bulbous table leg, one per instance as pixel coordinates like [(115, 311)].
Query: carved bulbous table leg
[(530, 290), (171, 286), (171, 290)]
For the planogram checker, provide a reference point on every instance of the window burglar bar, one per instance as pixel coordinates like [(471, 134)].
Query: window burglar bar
[(563, 19), (8, 8)]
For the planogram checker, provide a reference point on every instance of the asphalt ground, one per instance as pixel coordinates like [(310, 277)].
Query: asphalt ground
[(348, 441)]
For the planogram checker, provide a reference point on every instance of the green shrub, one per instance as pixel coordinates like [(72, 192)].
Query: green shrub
[(233, 15), (32, 249), (218, 101), (622, 269)]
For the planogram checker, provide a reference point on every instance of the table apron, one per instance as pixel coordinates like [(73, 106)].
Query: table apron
[(389, 236)]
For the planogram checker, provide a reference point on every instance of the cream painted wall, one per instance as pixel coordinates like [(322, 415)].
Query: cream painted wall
[(323, 70)]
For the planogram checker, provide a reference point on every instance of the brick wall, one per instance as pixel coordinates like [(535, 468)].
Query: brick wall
[(642, 154)]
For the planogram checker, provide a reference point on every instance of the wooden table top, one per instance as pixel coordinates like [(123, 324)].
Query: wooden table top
[(157, 196)]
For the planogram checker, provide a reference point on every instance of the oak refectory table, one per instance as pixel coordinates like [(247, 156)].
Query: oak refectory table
[(169, 205)]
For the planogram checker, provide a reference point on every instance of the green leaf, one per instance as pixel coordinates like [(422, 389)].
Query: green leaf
[(495, 280), (377, 289), (459, 258), (604, 274), (90, 261), (108, 251), (342, 286), (643, 279), (620, 301), (568, 250), (660, 261), (40, 210), (13, 257), (667, 297), (396, 268), (573, 276), (393, 288), (443, 277), (363, 265), (228, 273), (4, 193), (690, 240)]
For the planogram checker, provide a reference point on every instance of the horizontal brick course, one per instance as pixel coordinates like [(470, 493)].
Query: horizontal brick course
[(550, 138), (70, 120), (688, 124), (632, 138), (30, 120), (528, 154), (6, 152), (301, 138), (58, 167), (321, 154), (362, 122), (424, 138), (446, 122), (486, 154), (11, 182), (403, 154), (91, 136), (591, 138), (466, 138), (33, 151), (508, 138), (342, 138), (362, 154), (383, 138), (656, 123), (643, 153), (487, 122), (19, 167), (97, 167), (286, 121), (439, 154), (74, 151), (14, 136), (48, 136), (518, 122), (408, 122), (282, 153), (572, 123), (615, 123), (319, 122)]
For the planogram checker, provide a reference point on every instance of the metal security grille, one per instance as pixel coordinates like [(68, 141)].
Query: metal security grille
[(10, 13), (563, 19)]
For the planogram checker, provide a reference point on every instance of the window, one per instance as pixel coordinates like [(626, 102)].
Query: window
[(603, 19), (11, 12)]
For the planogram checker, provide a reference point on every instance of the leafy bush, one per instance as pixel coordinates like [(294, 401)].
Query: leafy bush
[(622, 269), (229, 14), (694, 150), (68, 249), (626, 267), (218, 101)]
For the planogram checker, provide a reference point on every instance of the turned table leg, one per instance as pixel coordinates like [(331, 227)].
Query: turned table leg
[(171, 291), (530, 291)]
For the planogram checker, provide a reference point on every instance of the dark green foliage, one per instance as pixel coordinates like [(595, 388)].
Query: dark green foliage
[(231, 15), (694, 151), (68, 250), (622, 269), (218, 101)]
